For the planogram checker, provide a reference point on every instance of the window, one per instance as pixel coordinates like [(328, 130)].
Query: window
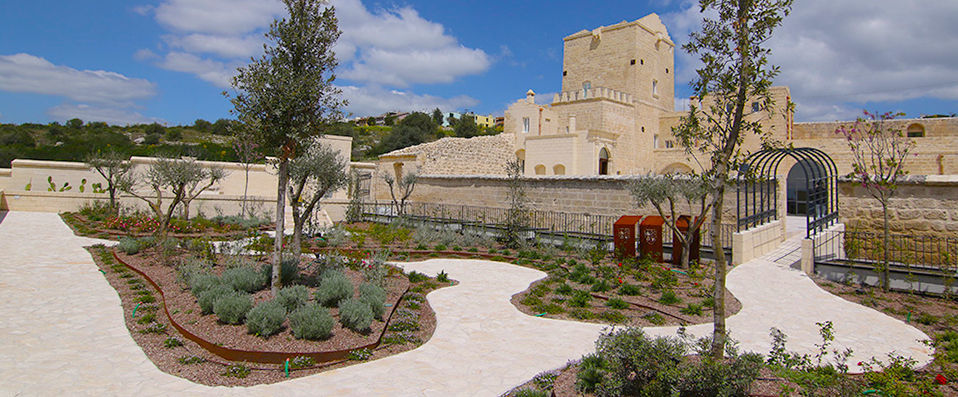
[(525, 125), (540, 169), (666, 70), (632, 62), (669, 144), (916, 131), (655, 88), (586, 86), (655, 141), (559, 169), (641, 62), (564, 73), (603, 162)]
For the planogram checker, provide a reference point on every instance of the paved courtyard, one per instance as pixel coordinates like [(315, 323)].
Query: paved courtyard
[(62, 332)]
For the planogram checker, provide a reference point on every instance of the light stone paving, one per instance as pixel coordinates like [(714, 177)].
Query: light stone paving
[(61, 327)]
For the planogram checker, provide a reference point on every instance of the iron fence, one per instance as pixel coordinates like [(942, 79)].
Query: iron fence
[(905, 251), (553, 222)]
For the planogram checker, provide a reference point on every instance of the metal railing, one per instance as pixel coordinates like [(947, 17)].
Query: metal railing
[(553, 222), (905, 251)]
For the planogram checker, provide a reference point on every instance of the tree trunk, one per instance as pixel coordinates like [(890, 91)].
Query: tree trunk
[(297, 228), (718, 293), (186, 210), (280, 226), (245, 190), (114, 209), (885, 241), (686, 246)]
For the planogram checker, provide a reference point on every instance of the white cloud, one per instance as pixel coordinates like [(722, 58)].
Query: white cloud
[(836, 54), (403, 68), (366, 101), (112, 116), (31, 74), (218, 16), (215, 72), (144, 54), (224, 46)]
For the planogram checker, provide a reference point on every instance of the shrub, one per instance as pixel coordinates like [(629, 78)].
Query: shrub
[(333, 289), (581, 314), (172, 342), (311, 322), (205, 281), (580, 299), (530, 392), (730, 377), (564, 289), (442, 277), (416, 277), (375, 297), (613, 316), (288, 269), (188, 360), (591, 373), (654, 318), (600, 286), (186, 272), (530, 300), (231, 308), (208, 297), (946, 343), (293, 297), (692, 309), (146, 318), (617, 303), (550, 308), (145, 298), (266, 318), (355, 314), (244, 278), (635, 364), (128, 245), (668, 298), (541, 290), (359, 355), (236, 371), (630, 289), (154, 328), (300, 362)]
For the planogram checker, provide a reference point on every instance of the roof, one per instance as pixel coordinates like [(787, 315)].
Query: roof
[(481, 155)]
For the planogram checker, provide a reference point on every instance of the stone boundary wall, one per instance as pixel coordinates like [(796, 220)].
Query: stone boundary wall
[(922, 205)]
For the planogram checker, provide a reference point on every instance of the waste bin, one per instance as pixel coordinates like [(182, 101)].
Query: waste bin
[(650, 237), (624, 235), (683, 224)]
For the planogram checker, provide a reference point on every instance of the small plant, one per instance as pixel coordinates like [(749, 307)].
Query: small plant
[(359, 355), (439, 247), (355, 315), (154, 328), (541, 290), (630, 289), (416, 277), (236, 371), (613, 316), (128, 245), (600, 286), (146, 318), (244, 278), (333, 289), (591, 373), (293, 297), (617, 303), (375, 297), (549, 308), (172, 342), (311, 322), (232, 308), (145, 298), (580, 299), (564, 289), (442, 277), (668, 298), (654, 318), (190, 360), (692, 309), (300, 362), (581, 314), (529, 392), (266, 318), (206, 298)]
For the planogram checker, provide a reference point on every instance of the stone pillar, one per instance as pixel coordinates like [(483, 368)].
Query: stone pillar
[(808, 256)]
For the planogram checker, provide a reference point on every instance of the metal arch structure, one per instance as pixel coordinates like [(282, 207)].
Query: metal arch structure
[(757, 193)]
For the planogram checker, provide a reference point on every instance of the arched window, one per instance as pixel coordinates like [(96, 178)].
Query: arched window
[(540, 169), (655, 88), (559, 169), (916, 131), (521, 158), (586, 86), (603, 162)]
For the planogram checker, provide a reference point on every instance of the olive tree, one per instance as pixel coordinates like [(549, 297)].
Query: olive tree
[(114, 168), (400, 188), (172, 177), (517, 219), (735, 71), (688, 191), (313, 176), (879, 152), (289, 96)]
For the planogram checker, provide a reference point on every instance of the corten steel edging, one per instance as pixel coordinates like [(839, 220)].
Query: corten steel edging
[(266, 357), (677, 317)]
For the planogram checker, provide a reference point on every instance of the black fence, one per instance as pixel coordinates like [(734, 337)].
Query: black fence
[(905, 251), (596, 227)]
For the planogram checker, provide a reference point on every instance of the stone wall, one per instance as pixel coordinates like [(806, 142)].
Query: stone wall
[(922, 205)]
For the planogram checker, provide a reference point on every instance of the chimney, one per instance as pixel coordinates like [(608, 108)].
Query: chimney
[(531, 96)]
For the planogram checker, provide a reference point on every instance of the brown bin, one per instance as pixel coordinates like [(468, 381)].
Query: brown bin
[(683, 225), (624, 235), (650, 237)]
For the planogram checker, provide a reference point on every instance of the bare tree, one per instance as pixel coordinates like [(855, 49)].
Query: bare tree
[(879, 152), (248, 153), (518, 215), (311, 177), (401, 189), (195, 187), (172, 176), (688, 190), (114, 168)]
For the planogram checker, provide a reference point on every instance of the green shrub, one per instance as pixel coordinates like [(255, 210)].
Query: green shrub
[(638, 365), (591, 372), (668, 298), (293, 297), (244, 278), (530, 392), (550, 308), (333, 289), (416, 277), (355, 314), (530, 300), (145, 298), (236, 371), (730, 377), (375, 297), (128, 245), (188, 360), (202, 282), (617, 303), (564, 289), (359, 355), (630, 289), (439, 247), (288, 269), (146, 318), (580, 299), (154, 328), (581, 314), (708, 302), (208, 297), (186, 272), (300, 362), (613, 316), (600, 286), (946, 343), (311, 322), (654, 318), (231, 308), (692, 309), (442, 277), (172, 342), (266, 318)]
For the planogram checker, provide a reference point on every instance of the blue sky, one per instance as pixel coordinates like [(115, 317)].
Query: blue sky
[(169, 61)]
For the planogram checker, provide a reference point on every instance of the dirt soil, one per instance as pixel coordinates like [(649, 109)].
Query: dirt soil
[(210, 369)]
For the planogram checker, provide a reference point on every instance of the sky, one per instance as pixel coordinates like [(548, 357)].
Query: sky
[(170, 61)]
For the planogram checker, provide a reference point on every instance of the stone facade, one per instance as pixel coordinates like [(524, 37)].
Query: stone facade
[(922, 205)]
